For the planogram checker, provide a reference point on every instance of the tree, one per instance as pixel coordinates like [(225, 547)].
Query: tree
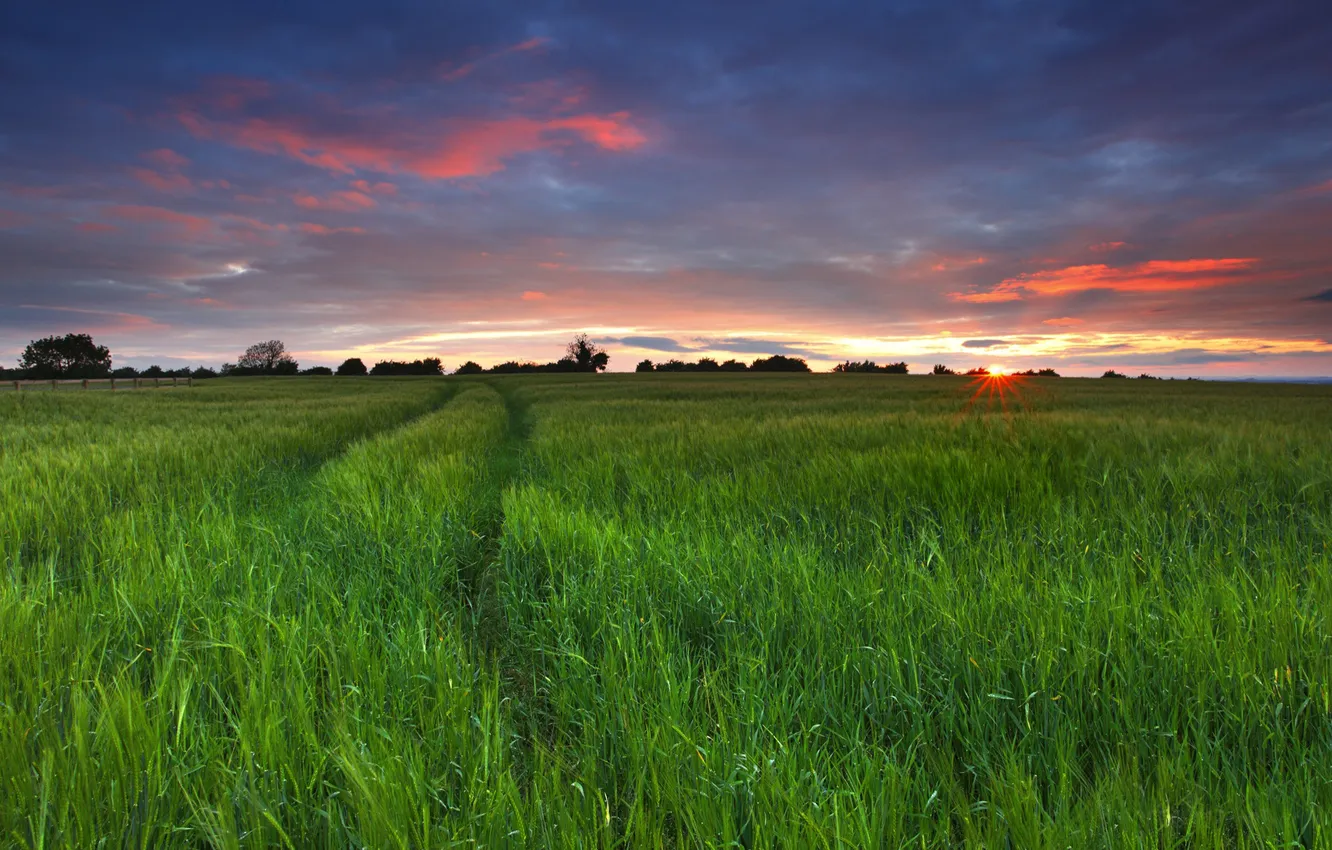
[(779, 363), (644, 366), (266, 358), (588, 356), (68, 356), (941, 369), (352, 366), (425, 366), (203, 372), (734, 366), (317, 370), (469, 368), (899, 368), (977, 372), (706, 364), (153, 371), (1111, 373)]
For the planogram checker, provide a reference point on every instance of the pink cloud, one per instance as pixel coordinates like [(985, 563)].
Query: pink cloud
[(169, 182), (466, 69), (96, 227), (1063, 322), (166, 159), (321, 230), (1106, 247), (337, 201), (190, 225), (532, 295), (449, 150), (367, 188), (1151, 276)]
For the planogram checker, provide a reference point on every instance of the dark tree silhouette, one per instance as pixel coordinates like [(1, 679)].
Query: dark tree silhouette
[(317, 370), (734, 366), (587, 356), (153, 371), (977, 372), (352, 367), (941, 369), (425, 366), (1111, 373), (203, 372), (779, 363), (125, 372), (870, 366), (706, 364), (68, 356), (673, 365), (266, 358), (471, 367), (644, 366)]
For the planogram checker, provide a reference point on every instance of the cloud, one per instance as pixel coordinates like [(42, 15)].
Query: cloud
[(337, 202), (1150, 276), (651, 343), (1325, 295), (321, 230), (743, 345), (533, 295), (983, 343), (189, 225), (166, 159), (345, 140), (169, 182), (466, 69), (367, 188), (1064, 322)]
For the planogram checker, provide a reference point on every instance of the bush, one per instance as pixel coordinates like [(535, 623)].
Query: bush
[(317, 370), (870, 366), (352, 367), (941, 369), (1111, 373), (779, 363), (425, 366)]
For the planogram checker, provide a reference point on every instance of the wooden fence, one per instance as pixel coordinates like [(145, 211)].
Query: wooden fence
[(93, 383)]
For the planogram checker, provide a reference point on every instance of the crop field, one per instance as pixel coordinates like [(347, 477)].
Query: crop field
[(667, 611)]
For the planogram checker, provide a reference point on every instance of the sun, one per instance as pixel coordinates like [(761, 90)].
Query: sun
[(997, 371)]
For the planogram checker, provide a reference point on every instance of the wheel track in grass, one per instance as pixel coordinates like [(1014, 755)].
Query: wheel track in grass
[(480, 579)]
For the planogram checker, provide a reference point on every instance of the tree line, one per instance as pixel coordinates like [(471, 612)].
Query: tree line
[(78, 356), (74, 356)]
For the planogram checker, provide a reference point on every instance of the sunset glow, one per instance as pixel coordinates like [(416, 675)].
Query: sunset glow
[(899, 185)]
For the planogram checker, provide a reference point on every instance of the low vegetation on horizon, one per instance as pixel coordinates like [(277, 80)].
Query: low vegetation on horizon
[(612, 612), (78, 356)]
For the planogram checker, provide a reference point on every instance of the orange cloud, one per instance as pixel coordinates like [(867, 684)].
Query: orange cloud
[(532, 295), (1063, 322), (1151, 276), (952, 263), (338, 202)]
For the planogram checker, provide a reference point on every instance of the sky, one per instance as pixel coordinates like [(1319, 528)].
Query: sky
[(1078, 185)]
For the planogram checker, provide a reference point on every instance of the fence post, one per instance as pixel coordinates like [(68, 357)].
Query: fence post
[(113, 385), (173, 381), (85, 383), (157, 382), (53, 384), (17, 386)]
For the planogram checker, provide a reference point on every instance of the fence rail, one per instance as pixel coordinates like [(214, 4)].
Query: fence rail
[(92, 383)]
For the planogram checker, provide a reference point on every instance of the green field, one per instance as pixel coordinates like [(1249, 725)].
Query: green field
[(667, 611)]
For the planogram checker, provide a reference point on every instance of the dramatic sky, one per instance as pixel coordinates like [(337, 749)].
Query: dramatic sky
[(1084, 185)]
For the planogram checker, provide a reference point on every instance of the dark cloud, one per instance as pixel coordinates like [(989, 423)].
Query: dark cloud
[(727, 171), (1325, 295), (652, 343)]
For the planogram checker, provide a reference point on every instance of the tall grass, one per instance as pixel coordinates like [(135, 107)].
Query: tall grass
[(667, 611)]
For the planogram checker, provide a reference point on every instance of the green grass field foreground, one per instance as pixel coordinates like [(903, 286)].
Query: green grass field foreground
[(667, 611)]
